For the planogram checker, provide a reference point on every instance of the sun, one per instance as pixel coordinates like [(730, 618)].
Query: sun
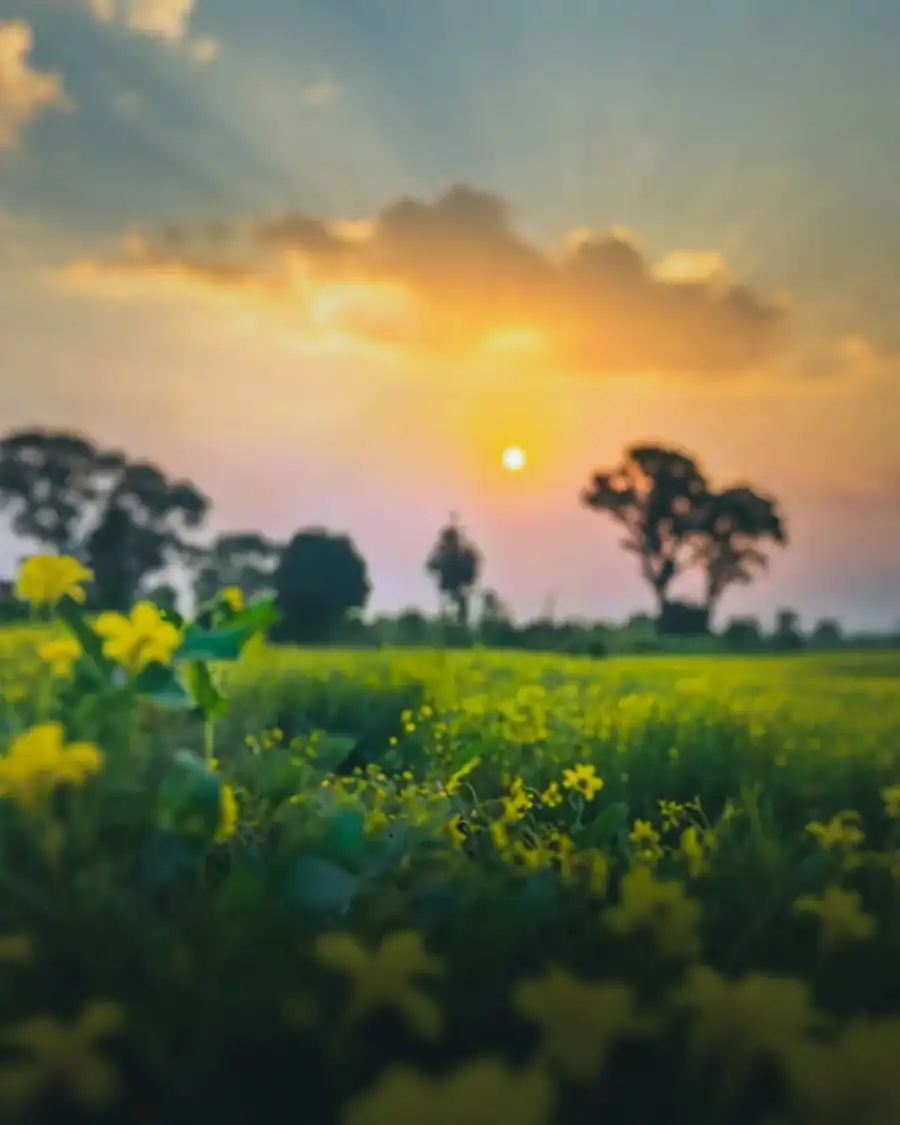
[(513, 459)]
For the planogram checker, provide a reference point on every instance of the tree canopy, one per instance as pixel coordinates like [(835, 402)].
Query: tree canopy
[(320, 578), (124, 519), (454, 563), (674, 521)]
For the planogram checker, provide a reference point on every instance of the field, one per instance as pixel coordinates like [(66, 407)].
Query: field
[(459, 888)]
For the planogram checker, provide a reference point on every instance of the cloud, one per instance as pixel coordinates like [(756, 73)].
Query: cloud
[(452, 278), (24, 92), (164, 20), (103, 10), (321, 93)]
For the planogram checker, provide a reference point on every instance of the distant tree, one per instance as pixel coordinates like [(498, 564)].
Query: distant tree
[(742, 633), (412, 628), (454, 563), (682, 619), (674, 522), (729, 527), (495, 624), (787, 633), (492, 608), (243, 559), (124, 519), (654, 494), (320, 578), (826, 634)]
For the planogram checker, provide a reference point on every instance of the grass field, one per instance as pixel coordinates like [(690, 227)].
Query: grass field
[(645, 889)]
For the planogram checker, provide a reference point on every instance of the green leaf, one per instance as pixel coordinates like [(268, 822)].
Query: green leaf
[(163, 685), (225, 643), (202, 687), (332, 749), (189, 798), (258, 616), (214, 645), (172, 616), (320, 885), (73, 617), (347, 833), (606, 828)]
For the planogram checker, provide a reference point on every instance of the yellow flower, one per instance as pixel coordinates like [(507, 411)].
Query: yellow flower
[(583, 778), (37, 761), (841, 914), (891, 798), (743, 1022), (841, 833), (695, 849), (139, 639), (552, 796), (499, 835), (456, 779), (455, 830), (598, 870), (233, 597), (384, 977), (228, 815), (518, 801), (580, 1021), (672, 814), (646, 840), (56, 1055), (856, 1078), (483, 1092), (660, 907), (46, 579), (16, 949), (61, 654)]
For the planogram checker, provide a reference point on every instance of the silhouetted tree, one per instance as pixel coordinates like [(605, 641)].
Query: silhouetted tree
[(454, 563), (493, 610), (319, 579), (742, 633), (682, 619), (826, 634), (124, 519), (244, 559), (675, 522), (787, 633), (655, 495), (412, 628), (729, 526), (495, 624)]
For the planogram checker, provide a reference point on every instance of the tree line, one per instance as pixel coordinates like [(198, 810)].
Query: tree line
[(130, 523)]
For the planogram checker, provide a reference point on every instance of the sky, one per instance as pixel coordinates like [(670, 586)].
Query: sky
[(328, 258)]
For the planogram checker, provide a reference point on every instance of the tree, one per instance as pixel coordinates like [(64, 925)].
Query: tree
[(454, 563), (674, 522), (787, 633), (139, 532), (243, 559), (655, 494), (124, 519), (319, 579), (742, 633), (827, 634), (729, 526)]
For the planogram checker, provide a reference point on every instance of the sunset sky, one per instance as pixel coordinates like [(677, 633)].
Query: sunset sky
[(327, 258)]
